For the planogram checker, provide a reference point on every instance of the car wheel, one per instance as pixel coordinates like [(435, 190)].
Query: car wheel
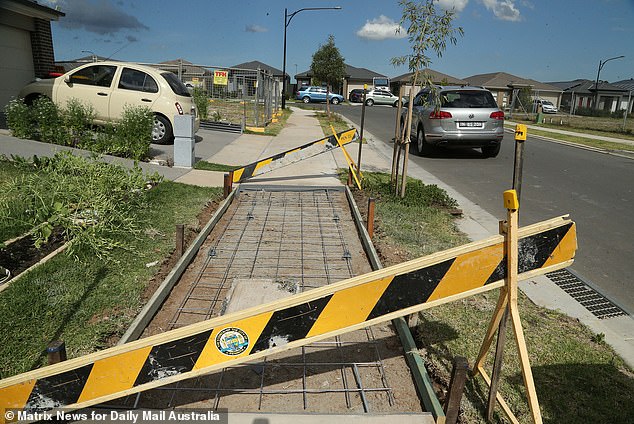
[(306, 99), (334, 101), (395, 104), (491, 151), (162, 130), (422, 147), (369, 102), (31, 98)]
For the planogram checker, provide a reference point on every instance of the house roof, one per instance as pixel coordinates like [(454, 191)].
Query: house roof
[(32, 8), (627, 84), (72, 64), (584, 86), (254, 64), (188, 67), (437, 78), (352, 72), (505, 81)]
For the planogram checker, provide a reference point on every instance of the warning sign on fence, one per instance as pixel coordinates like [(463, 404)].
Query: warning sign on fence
[(221, 77)]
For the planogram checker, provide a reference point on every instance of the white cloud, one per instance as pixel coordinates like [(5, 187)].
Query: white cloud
[(503, 9), (457, 5), (381, 28), (255, 28)]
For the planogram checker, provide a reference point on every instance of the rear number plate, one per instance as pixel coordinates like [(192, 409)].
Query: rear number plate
[(470, 124)]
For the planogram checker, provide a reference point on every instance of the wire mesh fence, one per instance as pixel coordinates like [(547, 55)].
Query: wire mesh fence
[(245, 97)]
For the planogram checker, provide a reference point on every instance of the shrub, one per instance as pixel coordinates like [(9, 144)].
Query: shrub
[(134, 131), (19, 119), (78, 119), (129, 137), (49, 122), (202, 102)]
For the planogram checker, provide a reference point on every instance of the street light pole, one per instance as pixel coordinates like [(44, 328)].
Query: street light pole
[(596, 85), (287, 21)]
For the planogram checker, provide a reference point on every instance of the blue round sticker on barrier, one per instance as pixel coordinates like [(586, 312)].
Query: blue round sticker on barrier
[(232, 341)]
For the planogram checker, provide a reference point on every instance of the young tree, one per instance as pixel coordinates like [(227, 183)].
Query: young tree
[(428, 30), (328, 66)]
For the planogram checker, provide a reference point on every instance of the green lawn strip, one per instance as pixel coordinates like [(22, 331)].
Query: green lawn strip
[(88, 303), (610, 127), (590, 142), (8, 172), (338, 123), (588, 130), (218, 167), (578, 377), (419, 223)]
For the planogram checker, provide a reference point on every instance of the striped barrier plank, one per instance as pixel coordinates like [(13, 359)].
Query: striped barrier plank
[(294, 155), (295, 321)]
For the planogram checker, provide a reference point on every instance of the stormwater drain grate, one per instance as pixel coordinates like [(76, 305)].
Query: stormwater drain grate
[(593, 301)]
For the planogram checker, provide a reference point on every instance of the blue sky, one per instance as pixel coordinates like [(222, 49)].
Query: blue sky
[(547, 41)]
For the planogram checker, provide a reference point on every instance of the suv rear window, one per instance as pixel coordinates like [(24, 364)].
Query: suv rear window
[(468, 99), (175, 84)]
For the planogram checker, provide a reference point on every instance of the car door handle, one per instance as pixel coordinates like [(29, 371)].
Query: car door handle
[(146, 100), (101, 93)]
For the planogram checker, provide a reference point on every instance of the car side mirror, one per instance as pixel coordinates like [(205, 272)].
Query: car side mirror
[(67, 80)]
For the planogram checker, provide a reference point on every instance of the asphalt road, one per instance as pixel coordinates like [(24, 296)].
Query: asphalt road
[(596, 189)]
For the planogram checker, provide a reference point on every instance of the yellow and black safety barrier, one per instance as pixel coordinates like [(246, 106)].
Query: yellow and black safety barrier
[(293, 155), (291, 322)]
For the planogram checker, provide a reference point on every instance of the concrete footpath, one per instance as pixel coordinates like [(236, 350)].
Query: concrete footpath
[(302, 127)]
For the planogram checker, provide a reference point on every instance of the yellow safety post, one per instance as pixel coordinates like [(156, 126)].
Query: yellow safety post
[(508, 296), (353, 166)]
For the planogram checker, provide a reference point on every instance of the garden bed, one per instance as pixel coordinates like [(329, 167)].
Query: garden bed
[(20, 255)]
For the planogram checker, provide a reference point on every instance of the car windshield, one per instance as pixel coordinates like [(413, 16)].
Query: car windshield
[(547, 103), (467, 99), (177, 86)]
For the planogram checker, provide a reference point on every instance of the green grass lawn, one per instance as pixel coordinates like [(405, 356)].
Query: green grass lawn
[(89, 303), (579, 378)]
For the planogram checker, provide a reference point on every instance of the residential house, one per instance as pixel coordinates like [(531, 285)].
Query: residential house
[(626, 100), (355, 78), (581, 93), (278, 75), (406, 80), (67, 65), (503, 86), (26, 45)]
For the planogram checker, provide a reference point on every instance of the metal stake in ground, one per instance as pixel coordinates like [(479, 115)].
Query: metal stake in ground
[(365, 89), (518, 166)]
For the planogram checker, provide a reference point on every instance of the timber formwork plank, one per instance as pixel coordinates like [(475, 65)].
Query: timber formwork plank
[(291, 322)]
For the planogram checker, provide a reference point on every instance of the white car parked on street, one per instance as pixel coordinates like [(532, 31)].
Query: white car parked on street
[(111, 86)]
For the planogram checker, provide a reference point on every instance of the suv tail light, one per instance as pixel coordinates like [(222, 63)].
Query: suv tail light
[(499, 115), (440, 114), (179, 108)]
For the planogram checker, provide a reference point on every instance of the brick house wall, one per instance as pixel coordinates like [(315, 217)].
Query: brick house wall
[(42, 47)]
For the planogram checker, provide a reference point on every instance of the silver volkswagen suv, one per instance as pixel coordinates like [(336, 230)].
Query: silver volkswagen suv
[(460, 116)]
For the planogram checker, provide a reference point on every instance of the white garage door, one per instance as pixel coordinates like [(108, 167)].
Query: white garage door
[(16, 66)]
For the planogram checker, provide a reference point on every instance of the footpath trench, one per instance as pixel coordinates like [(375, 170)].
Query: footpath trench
[(292, 239)]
